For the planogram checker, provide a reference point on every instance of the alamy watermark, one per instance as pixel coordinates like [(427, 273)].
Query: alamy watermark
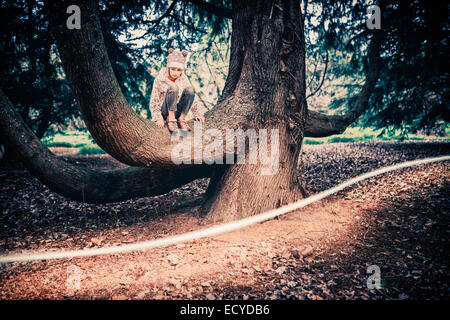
[(73, 281), (74, 20), (374, 280), (189, 149), (374, 21)]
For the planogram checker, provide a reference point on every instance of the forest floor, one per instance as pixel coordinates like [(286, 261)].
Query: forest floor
[(398, 222)]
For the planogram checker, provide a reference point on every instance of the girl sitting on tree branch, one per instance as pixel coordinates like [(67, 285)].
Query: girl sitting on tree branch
[(173, 96)]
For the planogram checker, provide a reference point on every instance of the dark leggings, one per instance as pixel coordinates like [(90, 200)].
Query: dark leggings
[(170, 101)]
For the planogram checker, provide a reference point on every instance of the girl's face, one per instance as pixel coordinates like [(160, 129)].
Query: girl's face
[(175, 73)]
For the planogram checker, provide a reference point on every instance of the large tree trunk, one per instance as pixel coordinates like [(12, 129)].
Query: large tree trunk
[(267, 74), (265, 90)]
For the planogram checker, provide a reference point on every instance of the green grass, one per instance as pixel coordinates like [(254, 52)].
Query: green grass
[(311, 141), (59, 144), (92, 149), (358, 134), (74, 139), (70, 138)]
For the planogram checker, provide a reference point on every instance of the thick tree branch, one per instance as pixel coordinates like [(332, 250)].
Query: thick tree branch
[(83, 184), (113, 124), (243, 18), (213, 9), (320, 125)]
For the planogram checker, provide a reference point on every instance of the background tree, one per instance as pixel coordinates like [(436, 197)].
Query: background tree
[(29, 72), (412, 91)]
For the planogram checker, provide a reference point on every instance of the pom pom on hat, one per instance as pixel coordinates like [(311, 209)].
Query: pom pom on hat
[(176, 59)]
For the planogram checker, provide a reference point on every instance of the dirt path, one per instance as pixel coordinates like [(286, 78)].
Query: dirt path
[(398, 222)]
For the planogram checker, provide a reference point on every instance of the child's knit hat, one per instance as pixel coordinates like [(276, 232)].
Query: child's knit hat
[(176, 59)]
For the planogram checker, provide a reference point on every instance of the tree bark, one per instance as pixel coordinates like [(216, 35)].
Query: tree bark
[(44, 122), (269, 66)]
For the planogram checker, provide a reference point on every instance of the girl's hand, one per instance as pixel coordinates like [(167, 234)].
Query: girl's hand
[(200, 118), (160, 123)]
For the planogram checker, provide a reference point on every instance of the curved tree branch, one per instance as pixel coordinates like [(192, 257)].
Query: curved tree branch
[(312, 77), (113, 124), (81, 183), (321, 125), (323, 78)]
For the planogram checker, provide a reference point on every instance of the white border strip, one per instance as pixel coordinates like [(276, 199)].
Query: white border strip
[(212, 231)]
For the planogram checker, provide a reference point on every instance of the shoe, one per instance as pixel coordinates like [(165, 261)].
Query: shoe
[(182, 124), (172, 125)]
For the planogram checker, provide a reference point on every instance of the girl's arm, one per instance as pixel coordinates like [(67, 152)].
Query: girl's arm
[(155, 101)]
